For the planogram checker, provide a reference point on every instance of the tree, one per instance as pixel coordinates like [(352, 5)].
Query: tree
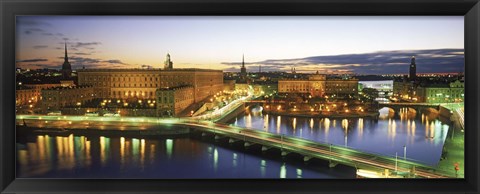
[(370, 93)]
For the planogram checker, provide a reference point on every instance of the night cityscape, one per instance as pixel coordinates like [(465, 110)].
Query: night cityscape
[(96, 99)]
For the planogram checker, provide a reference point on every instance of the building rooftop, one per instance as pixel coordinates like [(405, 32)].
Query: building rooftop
[(68, 88), (22, 87), (328, 79), (149, 70)]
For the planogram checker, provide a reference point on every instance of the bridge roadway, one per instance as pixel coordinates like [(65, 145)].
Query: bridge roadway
[(309, 149)]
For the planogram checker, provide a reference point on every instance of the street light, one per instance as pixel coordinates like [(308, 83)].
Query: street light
[(396, 160), (330, 151), (281, 141)]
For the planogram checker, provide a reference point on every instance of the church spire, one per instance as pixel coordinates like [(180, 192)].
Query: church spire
[(168, 62), (243, 60), (243, 70), (66, 67), (66, 55)]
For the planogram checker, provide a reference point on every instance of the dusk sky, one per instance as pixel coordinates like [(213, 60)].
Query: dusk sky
[(363, 45)]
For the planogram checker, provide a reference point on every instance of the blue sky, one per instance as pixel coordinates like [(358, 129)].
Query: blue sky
[(219, 42)]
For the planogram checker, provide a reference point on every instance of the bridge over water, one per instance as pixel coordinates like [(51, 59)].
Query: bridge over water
[(419, 107), (309, 149), (395, 106)]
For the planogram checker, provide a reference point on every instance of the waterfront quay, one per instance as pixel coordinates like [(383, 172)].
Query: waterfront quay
[(383, 166)]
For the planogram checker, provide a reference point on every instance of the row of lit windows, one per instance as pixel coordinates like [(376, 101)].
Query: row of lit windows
[(131, 93), (137, 78)]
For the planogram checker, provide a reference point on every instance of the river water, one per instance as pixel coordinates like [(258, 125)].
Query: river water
[(46, 156), (420, 136)]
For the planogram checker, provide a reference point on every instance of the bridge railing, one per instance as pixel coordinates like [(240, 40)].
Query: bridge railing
[(336, 149), (371, 154)]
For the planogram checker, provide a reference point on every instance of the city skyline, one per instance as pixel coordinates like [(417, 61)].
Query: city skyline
[(363, 45)]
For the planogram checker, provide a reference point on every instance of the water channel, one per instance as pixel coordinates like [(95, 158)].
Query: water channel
[(418, 136), (90, 157)]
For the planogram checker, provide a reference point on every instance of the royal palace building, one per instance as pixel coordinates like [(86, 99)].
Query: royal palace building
[(172, 101), (143, 83)]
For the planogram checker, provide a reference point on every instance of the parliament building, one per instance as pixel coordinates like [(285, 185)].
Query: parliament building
[(317, 85)]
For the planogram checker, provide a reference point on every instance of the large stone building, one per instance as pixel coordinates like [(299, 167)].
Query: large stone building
[(147, 84), (318, 85), (55, 98), (454, 92), (341, 87), (26, 95), (172, 101), (404, 90), (143, 83), (31, 93)]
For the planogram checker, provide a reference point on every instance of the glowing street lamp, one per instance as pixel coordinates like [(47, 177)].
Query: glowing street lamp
[(396, 161)]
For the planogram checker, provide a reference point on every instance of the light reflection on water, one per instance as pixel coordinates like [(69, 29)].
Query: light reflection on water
[(122, 157), (422, 133)]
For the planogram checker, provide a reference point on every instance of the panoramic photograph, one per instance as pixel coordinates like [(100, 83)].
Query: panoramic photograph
[(239, 97)]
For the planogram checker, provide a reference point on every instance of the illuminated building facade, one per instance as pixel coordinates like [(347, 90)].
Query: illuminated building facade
[(318, 85), (341, 87), (31, 93), (454, 92), (172, 101), (26, 95), (143, 83), (403, 90), (55, 98)]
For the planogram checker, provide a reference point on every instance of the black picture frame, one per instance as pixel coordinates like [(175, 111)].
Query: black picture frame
[(468, 8)]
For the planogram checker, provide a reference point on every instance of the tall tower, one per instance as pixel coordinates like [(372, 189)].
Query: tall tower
[(66, 67), (243, 70), (168, 62), (413, 69)]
